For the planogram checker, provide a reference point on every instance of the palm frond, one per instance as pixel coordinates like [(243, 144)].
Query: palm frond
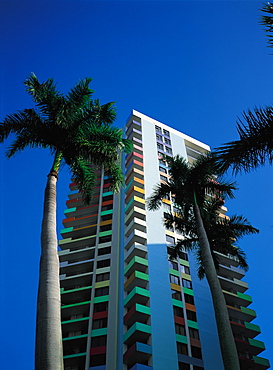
[(80, 94), (255, 145), (267, 20)]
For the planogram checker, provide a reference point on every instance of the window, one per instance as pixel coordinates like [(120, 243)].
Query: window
[(196, 352), (103, 263), (106, 227), (174, 279), (165, 132), (97, 360), (167, 141), (183, 366), (161, 161), (74, 333), (160, 146), (191, 315), (103, 251), (185, 269), (105, 239), (189, 298), (162, 169), (176, 295), (170, 240), (178, 311), (107, 207), (99, 323), (75, 317), (183, 256), (173, 265), (198, 368), (100, 307), (163, 178), (106, 217), (166, 206), (186, 283), (158, 129), (108, 197), (180, 329), (182, 348), (194, 333), (169, 150), (103, 277), (159, 137), (99, 341), (102, 291)]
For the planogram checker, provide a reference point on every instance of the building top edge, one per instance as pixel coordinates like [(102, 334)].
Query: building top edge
[(169, 128)]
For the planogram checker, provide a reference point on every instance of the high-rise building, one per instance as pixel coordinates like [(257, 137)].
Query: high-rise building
[(124, 304)]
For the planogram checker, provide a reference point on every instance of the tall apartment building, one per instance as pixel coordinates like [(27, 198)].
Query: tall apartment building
[(124, 305)]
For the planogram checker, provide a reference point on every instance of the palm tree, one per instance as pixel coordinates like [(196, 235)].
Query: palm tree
[(255, 145), (78, 132), (192, 186)]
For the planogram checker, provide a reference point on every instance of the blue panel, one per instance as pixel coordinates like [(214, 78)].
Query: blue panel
[(141, 367), (102, 367), (190, 360), (212, 357), (141, 347)]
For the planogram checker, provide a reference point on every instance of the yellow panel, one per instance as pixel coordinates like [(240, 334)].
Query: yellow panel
[(176, 287)]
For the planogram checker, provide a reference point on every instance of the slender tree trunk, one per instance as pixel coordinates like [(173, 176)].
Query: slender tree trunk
[(48, 352), (226, 339)]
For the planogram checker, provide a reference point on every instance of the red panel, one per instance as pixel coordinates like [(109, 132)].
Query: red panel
[(129, 313), (100, 315), (98, 350), (179, 320)]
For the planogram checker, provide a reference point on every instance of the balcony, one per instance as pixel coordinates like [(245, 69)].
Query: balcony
[(238, 298), (136, 250), (242, 313), (137, 313), (136, 223), (77, 255), (136, 237), (137, 263), (234, 284), (138, 332), (137, 295), (138, 353), (137, 278)]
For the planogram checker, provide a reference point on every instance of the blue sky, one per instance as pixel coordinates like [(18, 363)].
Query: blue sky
[(194, 65)]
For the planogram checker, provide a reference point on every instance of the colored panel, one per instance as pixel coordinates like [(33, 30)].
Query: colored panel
[(136, 290), (98, 332), (104, 233), (75, 320), (244, 296), (248, 311), (261, 361), (138, 326), (176, 287), (184, 262), (101, 284), (186, 276), (73, 209), (75, 304), (75, 355), (192, 324), (136, 259), (174, 272), (177, 303), (76, 337), (188, 291), (181, 338), (103, 298), (251, 326), (256, 343)]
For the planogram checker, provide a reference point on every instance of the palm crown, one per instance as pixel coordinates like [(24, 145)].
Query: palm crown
[(74, 127)]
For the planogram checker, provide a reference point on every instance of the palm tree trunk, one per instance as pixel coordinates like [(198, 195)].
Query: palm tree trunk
[(226, 339), (48, 352)]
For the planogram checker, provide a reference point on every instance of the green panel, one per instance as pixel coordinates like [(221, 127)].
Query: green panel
[(103, 298), (188, 291), (256, 343), (181, 339), (76, 337), (177, 303), (76, 355), (250, 326), (104, 233), (143, 309), (103, 213), (244, 296), (261, 361), (75, 320), (98, 332), (174, 272), (136, 259), (129, 204), (66, 230), (130, 183), (184, 263), (75, 304), (141, 275), (138, 326), (248, 311), (192, 324), (70, 210), (74, 290), (70, 240), (136, 290)]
